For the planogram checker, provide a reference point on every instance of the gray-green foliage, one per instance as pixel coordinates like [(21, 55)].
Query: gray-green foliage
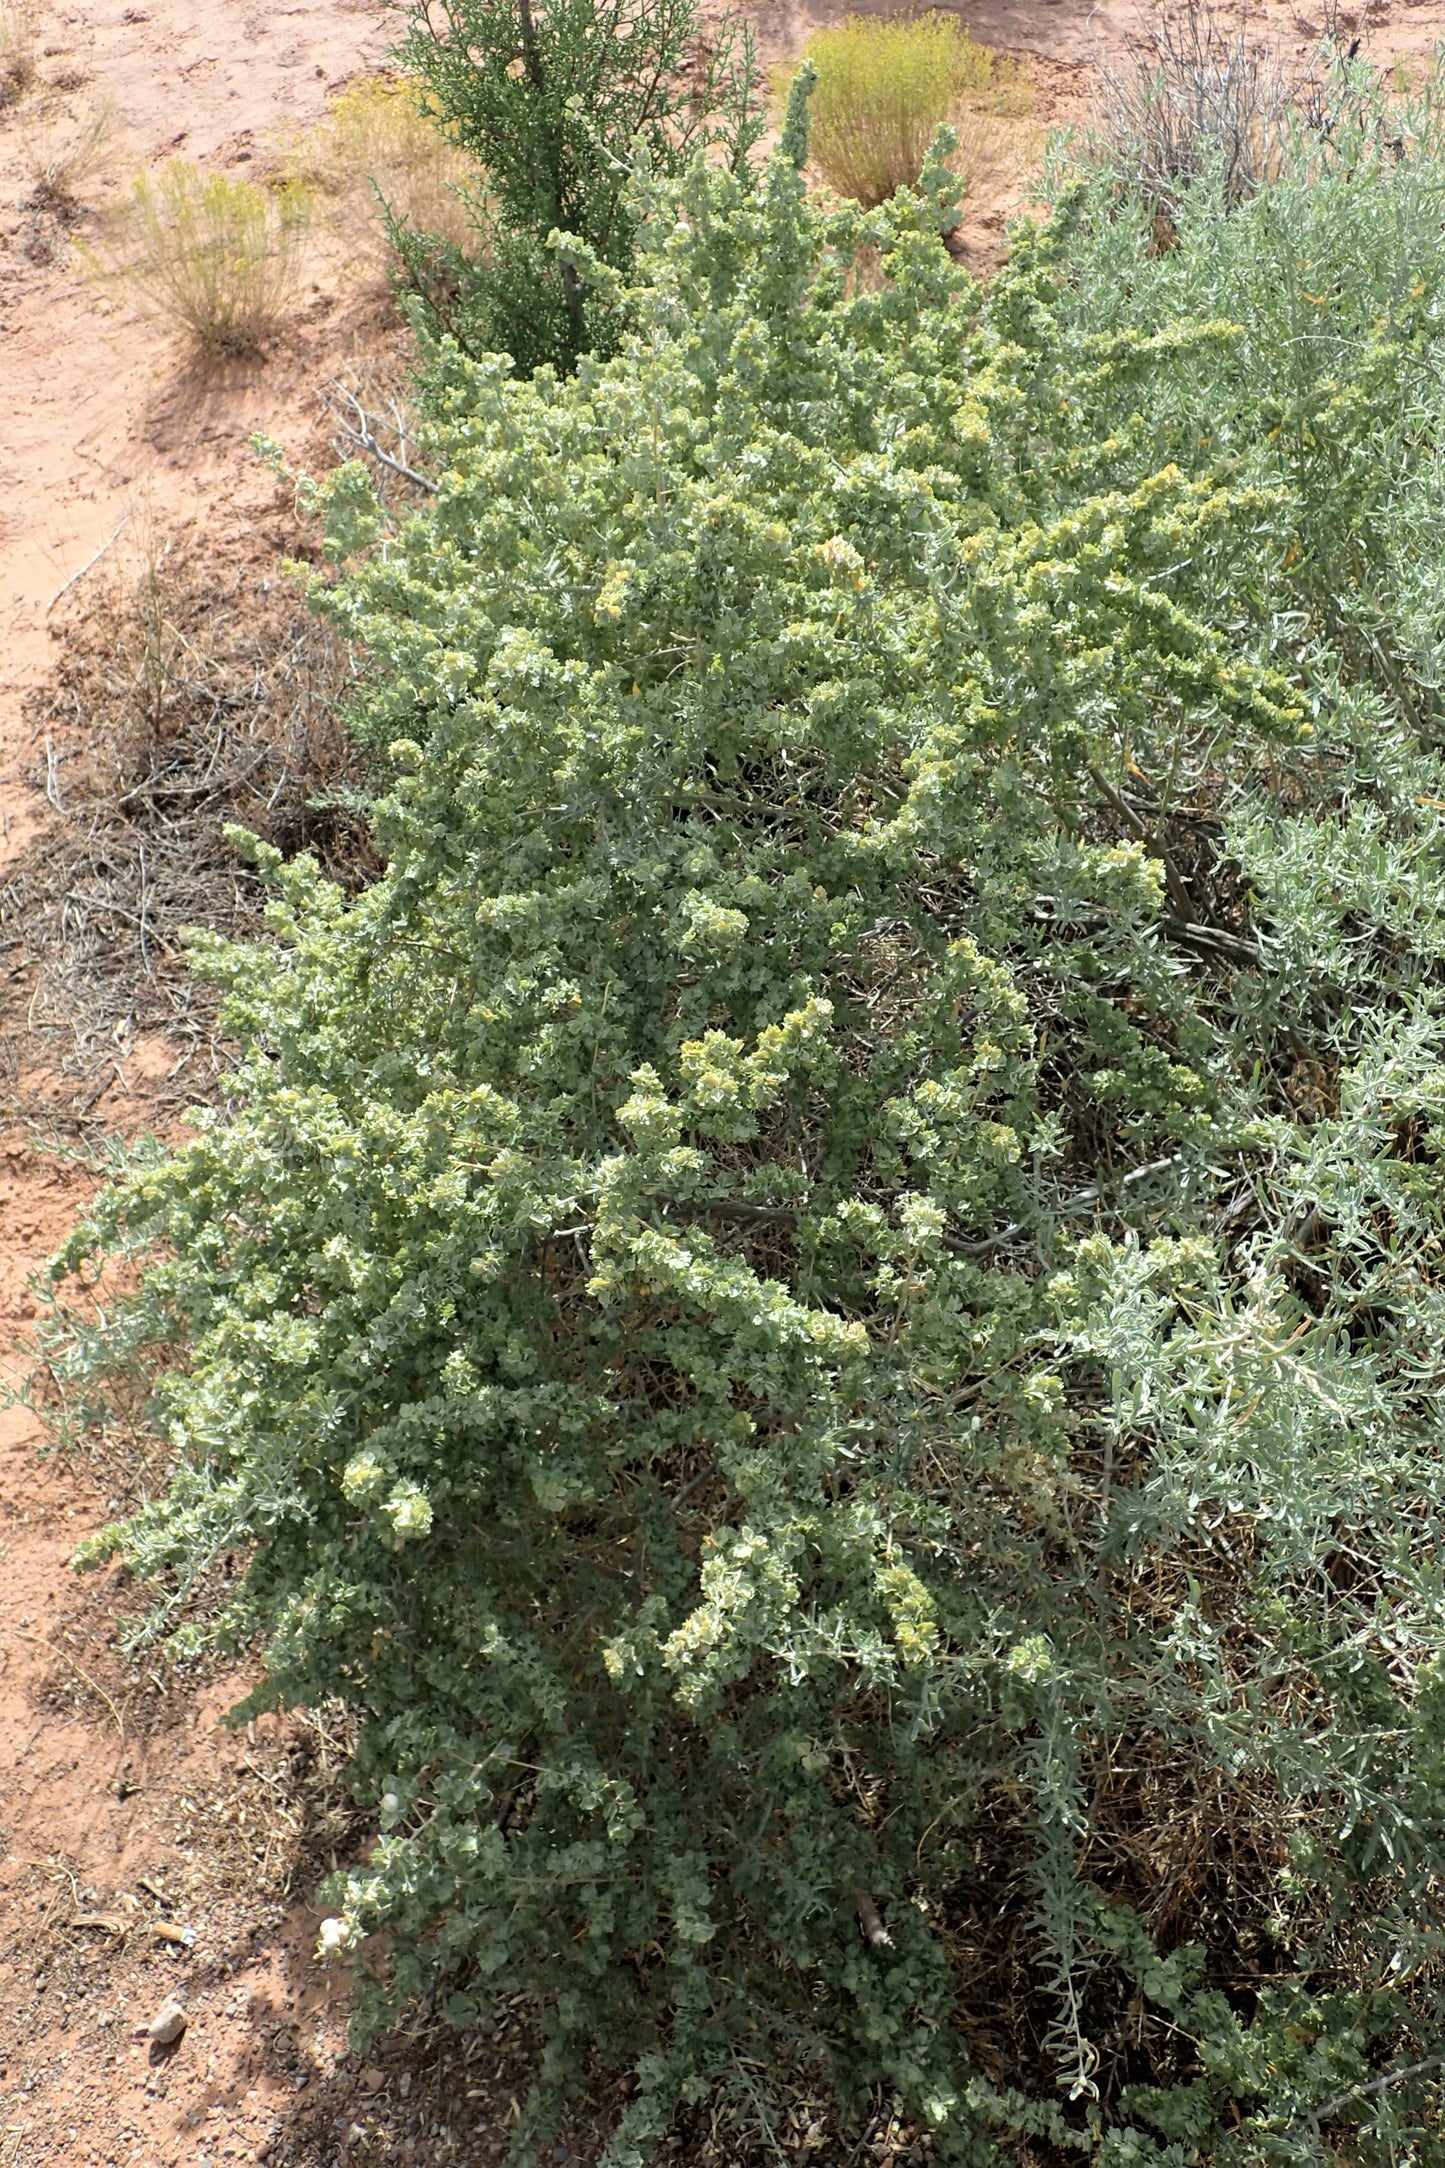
[(826, 1304)]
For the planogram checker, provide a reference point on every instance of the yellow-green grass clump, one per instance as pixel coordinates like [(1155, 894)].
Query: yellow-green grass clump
[(885, 85), (205, 254), (377, 153)]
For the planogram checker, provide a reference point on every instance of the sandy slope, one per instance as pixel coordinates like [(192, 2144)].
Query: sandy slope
[(93, 422)]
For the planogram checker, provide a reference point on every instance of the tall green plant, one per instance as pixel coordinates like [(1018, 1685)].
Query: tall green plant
[(557, 100), (825, 1306)]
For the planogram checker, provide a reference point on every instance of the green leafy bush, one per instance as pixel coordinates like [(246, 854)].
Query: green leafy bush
[(556, 100), (825, 1307)]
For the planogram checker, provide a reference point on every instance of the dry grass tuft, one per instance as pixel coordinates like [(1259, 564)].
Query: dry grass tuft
[(375, 152), (206, 254), (884, 88), (192, 694), (17, 50), (64, 151)]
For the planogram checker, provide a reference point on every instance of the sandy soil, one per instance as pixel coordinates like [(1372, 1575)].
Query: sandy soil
[(146, 1849)]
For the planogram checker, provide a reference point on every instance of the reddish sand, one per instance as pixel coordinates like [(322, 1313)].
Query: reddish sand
[(144, 1848)]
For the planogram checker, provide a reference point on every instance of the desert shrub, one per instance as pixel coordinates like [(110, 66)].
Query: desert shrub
[(556, 102), (824, 1307), (63, 150), (206, 254), (1201, 93), (17, 50), (884, 86), (1330, 273), (377, 162)]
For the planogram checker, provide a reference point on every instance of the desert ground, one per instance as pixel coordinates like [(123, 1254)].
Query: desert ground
[(147, 1849)]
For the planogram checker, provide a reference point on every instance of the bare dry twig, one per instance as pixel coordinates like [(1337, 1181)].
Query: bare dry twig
[(356, 431)]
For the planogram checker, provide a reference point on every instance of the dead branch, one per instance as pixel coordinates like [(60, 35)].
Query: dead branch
[(356, 431)]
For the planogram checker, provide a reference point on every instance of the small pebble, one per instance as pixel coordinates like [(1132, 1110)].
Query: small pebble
[(168, 2023)]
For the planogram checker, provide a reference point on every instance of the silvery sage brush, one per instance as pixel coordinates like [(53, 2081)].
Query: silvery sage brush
[(824, 1306)]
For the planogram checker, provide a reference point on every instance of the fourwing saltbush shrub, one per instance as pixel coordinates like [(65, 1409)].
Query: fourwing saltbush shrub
[(825, 1306)]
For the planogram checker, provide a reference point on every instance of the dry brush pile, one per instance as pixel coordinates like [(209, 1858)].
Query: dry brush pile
[(193, 692)]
